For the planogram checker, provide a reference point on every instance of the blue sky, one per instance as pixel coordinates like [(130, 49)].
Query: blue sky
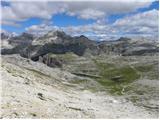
[(74, 15)]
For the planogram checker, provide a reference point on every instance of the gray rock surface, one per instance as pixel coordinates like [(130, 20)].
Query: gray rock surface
[(34, 90), (59, 43)]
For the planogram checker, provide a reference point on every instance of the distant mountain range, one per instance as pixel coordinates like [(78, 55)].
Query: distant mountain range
[(58, 42)]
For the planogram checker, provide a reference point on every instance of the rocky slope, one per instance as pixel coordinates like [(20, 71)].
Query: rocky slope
[(4, 40), (129, 47), (23, 39), (11, 44), (34, 90)]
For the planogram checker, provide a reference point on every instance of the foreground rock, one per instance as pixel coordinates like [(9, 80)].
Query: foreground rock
[(34, 90)]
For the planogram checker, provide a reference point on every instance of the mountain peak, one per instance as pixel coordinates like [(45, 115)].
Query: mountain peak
[(56, 33), (124, 39), (53, 36)]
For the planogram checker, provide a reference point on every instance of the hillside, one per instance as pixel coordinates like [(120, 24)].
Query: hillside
[(60, 76)]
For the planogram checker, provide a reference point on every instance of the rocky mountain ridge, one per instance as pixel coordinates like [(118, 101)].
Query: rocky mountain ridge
[(58, 42)]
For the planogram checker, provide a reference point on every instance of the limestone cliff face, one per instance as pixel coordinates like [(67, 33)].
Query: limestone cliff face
[(23, 39), (58, 42)]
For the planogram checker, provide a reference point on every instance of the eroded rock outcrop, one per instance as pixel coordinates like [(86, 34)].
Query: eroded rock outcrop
[(58, 42)]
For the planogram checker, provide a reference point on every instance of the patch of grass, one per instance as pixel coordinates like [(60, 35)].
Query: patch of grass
[(108, 71), (94, 89), (38, 73), (2, 65), (87, 85), (69, 56), (144, 68), (111, 86), (14, 72), (103, 66), (153, 75), (149, 71), (78, 81), (86, 75), (134, 99)]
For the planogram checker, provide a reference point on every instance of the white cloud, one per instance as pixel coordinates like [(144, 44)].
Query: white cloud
[(41, 29), (20, 10), (96, 10), (91, 14), (11, 23), (143, 24), (146, 22)]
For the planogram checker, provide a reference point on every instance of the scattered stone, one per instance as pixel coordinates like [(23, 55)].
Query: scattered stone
[(90, 100), (15, 113), (27, 81), (151, 107), (117, 78), (40, 96), (33, 114), (75, 108)]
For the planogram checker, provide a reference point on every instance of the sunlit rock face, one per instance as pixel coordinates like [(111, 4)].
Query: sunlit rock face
[(59, 42)]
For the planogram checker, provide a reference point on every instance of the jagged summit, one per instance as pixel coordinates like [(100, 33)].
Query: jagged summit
[(56, 37), (23, 39), (5, 35), (27, 35), (124, 39), (55, 33), (58, 42)]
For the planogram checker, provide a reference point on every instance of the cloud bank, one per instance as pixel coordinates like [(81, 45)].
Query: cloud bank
[(21, 11), (145, 23), (139, 23)]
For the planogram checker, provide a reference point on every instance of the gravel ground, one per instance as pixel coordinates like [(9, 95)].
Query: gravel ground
[(31, 94)]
